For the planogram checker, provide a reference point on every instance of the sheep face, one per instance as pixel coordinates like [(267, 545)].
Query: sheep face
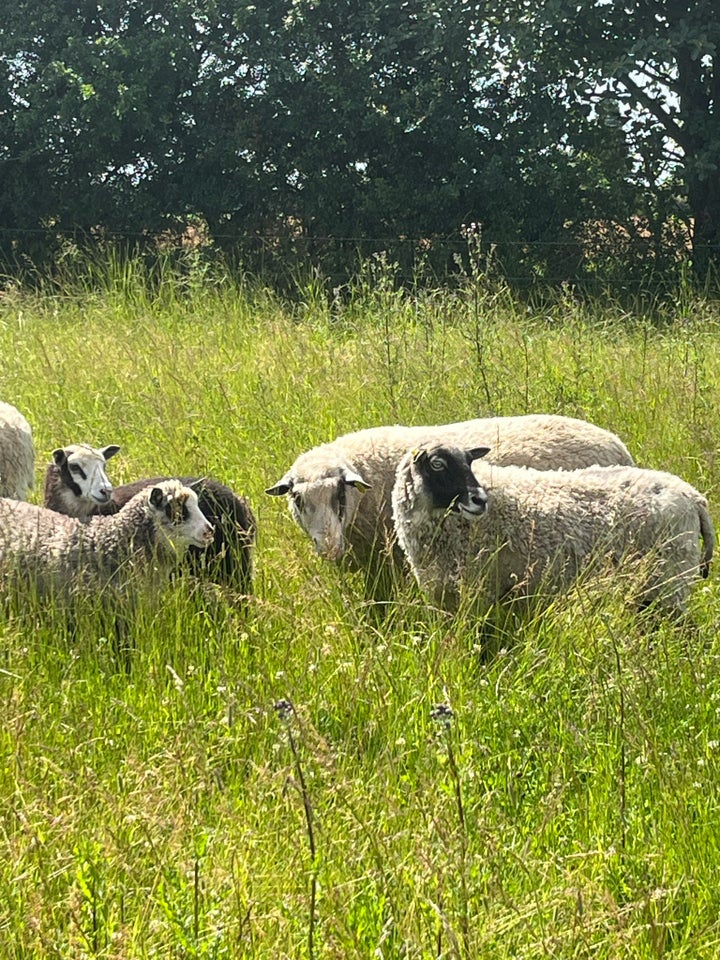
[(443, 480), (82, 474), (178, 517), (323, 507)]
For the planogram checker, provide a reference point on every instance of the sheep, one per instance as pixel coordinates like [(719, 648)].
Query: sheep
[(506, 531), (17, 454), (61, 556), (77, 485), (339, 493)]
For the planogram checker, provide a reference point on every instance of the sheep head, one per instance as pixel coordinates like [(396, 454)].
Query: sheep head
[(175, 509), (323, 506), (444, 482)]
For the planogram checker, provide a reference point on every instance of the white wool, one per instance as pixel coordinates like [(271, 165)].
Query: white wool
[(53, 552), (369, 458), (17, 454), (542, 529)]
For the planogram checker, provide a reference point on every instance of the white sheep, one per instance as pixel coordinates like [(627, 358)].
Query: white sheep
[(339, 493), (56, 555), (17, 454), (496, 532)]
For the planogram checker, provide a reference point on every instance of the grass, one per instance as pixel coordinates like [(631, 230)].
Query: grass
[(297, 779)]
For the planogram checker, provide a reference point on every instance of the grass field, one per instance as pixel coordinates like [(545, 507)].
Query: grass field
[(565, 802)]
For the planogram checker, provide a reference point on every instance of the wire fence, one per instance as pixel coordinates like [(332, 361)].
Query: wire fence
[(606, 259)]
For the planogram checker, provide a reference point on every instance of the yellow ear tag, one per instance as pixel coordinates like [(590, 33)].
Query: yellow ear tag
[(414, 454)]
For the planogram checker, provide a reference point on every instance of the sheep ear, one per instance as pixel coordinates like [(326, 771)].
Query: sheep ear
[(476, 453), (110, 450), (282, 487), (418, 455), (355, 480), (156, 497), (59, 456)]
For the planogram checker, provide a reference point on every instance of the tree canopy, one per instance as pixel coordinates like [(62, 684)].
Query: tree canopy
[(550, 125)]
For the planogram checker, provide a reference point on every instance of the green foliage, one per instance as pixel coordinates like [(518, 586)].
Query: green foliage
[(322, 134), (640, 82), (558, 794)]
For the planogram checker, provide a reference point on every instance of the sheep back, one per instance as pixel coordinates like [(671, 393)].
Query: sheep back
[(52, 552), (544, 441), (542, 529), (229, 557), (17, 454)]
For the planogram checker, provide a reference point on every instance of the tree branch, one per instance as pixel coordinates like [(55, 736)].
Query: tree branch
[(654, 106), (658, 76)]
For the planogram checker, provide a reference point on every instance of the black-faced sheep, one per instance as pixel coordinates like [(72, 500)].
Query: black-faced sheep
[(77, 485), (499, 532), (339, 493), (17, 454), (62, 556)]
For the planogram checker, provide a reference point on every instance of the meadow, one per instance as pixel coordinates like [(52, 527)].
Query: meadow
[(294, 777)]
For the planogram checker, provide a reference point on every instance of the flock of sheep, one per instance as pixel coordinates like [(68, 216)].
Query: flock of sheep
[(491, 509)]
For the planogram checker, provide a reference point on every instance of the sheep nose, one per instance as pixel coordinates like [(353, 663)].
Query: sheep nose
[(477, 502)]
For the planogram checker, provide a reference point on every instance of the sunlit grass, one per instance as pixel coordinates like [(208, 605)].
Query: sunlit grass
[(156, 803)]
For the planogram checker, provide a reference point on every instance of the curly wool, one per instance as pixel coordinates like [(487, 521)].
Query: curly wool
[(544, 441), (542, 529), (228, 559), (17, 454), (55, 553)]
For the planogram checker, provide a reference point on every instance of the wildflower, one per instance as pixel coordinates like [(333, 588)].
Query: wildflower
[(283, 708), (442, 713)]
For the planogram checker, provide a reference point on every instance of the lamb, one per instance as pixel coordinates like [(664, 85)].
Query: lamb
[(339, 493), (77, 485), (17, 454), (497, 532), (61, 556)]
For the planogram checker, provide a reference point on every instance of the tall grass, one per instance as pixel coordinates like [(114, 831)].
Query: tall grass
[(420, 798)]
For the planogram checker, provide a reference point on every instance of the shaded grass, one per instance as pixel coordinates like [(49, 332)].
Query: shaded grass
[(568, 803)]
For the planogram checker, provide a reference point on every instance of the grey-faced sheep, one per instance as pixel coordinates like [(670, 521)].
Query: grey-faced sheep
[(339, 493), (17, 454), (500, 532), (62, 556), (77, 485)]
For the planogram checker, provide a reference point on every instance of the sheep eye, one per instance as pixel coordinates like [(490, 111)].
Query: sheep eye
[(297, 500), (437, 464), (77, 469)]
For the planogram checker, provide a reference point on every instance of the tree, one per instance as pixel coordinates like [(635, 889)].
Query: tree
[(92, 108), (313, 119), (385, 120), (650, 68)]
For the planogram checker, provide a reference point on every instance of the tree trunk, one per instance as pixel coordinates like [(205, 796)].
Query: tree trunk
[(704, 203), (698, 83)]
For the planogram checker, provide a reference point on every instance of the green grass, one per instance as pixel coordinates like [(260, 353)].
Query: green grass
[(161, 806)]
